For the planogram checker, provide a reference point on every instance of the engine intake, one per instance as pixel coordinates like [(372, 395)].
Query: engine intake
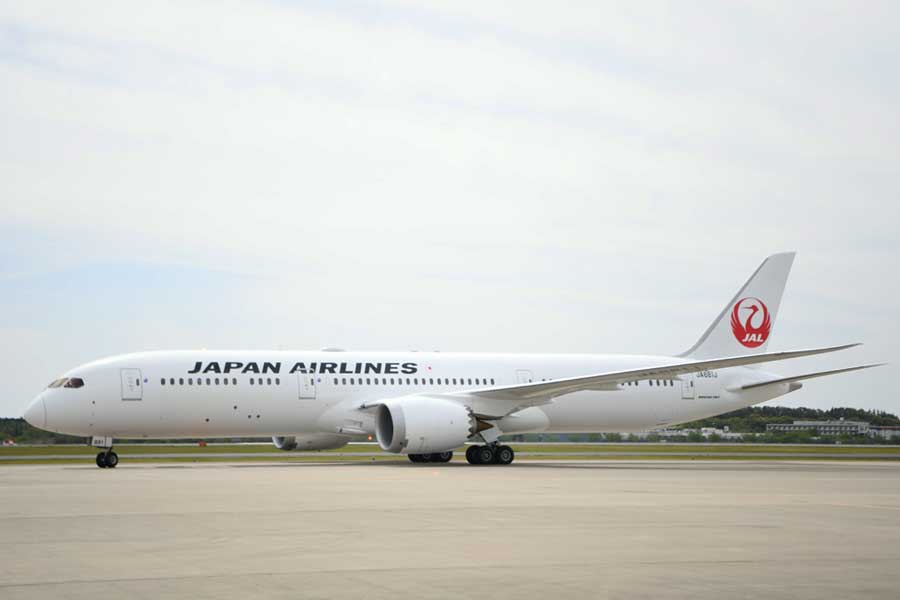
[(417, 425)]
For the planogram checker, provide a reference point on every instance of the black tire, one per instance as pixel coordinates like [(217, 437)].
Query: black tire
[(443, 457), (416, 458), (472, 455), (101, 460), (485, 455), (112, 459), (426, 457), (504, 455)]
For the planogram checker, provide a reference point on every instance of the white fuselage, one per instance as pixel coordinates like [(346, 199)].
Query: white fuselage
[(261, 393)]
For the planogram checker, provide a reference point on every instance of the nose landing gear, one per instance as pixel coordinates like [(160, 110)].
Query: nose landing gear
[(107, 459)]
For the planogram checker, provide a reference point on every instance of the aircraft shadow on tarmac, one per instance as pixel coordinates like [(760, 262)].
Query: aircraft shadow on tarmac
[(744, 465)]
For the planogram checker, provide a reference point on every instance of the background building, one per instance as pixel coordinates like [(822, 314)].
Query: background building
[(841, 427)]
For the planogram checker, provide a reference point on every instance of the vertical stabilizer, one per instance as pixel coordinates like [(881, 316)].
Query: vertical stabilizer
[(745, 324)]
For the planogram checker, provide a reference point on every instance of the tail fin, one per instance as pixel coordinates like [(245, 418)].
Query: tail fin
[(745, 324)]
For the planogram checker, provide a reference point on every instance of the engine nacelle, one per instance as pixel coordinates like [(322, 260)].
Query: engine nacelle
[(420, 425), (310, 441)]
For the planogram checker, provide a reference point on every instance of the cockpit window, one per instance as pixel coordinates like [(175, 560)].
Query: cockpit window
[(69, 382)]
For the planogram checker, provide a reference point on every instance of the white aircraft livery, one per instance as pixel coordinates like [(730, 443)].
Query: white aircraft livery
[(426, 404)]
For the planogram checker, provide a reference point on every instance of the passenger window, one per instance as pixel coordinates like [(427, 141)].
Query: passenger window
[(407, 381), (162, 381), (171, 381), (392, 381), (225, 381), (217, 381), (351, 381), (492, 381), (180, 381), (335, 381), (208, 381), (190, 381), (470, 381), (269, 381), (415, 380), (343, 381)]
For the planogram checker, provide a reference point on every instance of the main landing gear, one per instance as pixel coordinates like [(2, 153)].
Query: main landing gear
[(495, 454), (435, 457), (107, 459)]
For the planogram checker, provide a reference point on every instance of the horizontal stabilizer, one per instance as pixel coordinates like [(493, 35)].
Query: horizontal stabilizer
[(797, 378)]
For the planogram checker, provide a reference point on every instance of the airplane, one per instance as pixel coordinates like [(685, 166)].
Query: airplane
[(426, 404)]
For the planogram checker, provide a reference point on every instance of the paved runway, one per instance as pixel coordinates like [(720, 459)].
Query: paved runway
[(613, 529), (550, 454)]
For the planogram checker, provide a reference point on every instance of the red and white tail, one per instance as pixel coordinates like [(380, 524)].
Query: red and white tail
[(745, 324)]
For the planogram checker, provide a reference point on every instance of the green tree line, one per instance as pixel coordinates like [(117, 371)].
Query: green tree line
[(755, 418)]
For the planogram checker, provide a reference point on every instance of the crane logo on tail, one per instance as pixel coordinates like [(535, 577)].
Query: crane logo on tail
[(750, 322)]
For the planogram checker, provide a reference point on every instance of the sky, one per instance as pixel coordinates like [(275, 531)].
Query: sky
[(455, 176)]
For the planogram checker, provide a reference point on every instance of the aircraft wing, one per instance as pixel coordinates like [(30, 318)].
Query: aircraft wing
[(502, 400)]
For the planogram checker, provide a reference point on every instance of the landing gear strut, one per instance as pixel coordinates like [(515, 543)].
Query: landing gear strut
[(107, 459), (490, 454), (435, 457)]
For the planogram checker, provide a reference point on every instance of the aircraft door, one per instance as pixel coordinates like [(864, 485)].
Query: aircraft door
[(132, 386), (688, 390), (306, 385), (523, 376)]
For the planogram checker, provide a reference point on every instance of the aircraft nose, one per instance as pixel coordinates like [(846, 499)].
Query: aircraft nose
[(36, 413)]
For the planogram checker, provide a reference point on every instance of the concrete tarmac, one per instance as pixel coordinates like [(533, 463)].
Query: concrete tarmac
[(595, 529)]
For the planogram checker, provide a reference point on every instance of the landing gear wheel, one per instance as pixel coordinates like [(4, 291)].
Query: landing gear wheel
[(112, 459), (443, 457), (471, 455), (504, 455), (416, 458), (101, 460), (485, 455), (426, 458)]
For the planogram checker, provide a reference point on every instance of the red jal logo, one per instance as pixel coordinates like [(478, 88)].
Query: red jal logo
[(750, 322)]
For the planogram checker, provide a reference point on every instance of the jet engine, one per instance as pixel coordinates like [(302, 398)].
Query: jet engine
[(310, 441), (419, 425)]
